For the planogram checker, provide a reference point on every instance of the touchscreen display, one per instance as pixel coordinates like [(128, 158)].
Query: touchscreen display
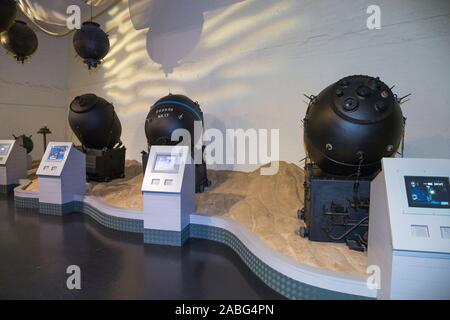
[(428, 192), (57, 153), (166, 163), (4, 149)]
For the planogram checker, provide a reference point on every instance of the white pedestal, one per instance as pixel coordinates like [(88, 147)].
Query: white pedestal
[(13, 164), (169, 195), (407, 229), (61, 176)]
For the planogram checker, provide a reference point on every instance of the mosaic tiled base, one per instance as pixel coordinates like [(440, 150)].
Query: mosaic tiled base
[(284, 285), (171, 238), (56, 209), (116, 223), (4, 189), (27, 203)]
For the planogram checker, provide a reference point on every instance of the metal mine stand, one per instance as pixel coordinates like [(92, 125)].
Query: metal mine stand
[(336, 209)]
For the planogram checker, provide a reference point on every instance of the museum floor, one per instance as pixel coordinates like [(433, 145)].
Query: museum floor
[(36, 250), (266, 205)]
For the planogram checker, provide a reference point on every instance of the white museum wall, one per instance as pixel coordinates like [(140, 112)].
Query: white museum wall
[(249, 62), (34, 94)]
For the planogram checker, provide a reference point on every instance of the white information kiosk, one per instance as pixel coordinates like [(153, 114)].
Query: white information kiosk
[(169, 195), (61, 175), (13, 165), (409, 228)]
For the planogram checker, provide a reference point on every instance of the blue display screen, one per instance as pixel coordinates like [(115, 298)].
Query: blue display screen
[(4, 149), (166, 163), (428, 192), (57, 153)]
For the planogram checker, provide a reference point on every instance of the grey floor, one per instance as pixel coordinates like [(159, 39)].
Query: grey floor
[(35, 251)]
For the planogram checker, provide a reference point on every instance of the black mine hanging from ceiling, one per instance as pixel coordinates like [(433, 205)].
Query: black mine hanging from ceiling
[(20, 40), (91, 43), (8, 12)]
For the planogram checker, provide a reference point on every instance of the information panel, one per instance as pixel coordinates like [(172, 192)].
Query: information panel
[(54, 159), (165, 169), (57, 153), (428, 192), (166, 163), (4, 148)]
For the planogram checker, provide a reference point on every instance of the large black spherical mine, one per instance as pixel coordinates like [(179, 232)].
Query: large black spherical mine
[(94, 122), (8, 12), (353, 123), (91, 43), (174, 112), (168, 114), (20, 40)]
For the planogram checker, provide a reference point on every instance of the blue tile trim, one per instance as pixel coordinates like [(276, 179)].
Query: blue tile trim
[(5, 189), (164, 237), (56, 209), (26, 203), (284, 285), (112, 222)]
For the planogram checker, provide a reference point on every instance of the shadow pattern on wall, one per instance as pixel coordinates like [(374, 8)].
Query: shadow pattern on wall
[(175, 27), (220, 67)]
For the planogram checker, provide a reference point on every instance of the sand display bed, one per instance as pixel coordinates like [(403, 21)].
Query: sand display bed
[(266, 205)]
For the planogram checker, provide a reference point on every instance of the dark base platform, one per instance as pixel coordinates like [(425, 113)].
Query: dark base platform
[(336, 210), (105, 165)]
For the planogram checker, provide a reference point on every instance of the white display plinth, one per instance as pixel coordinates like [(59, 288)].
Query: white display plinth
[(13, 164), (61, 174), (409, 228), (168, 191)]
